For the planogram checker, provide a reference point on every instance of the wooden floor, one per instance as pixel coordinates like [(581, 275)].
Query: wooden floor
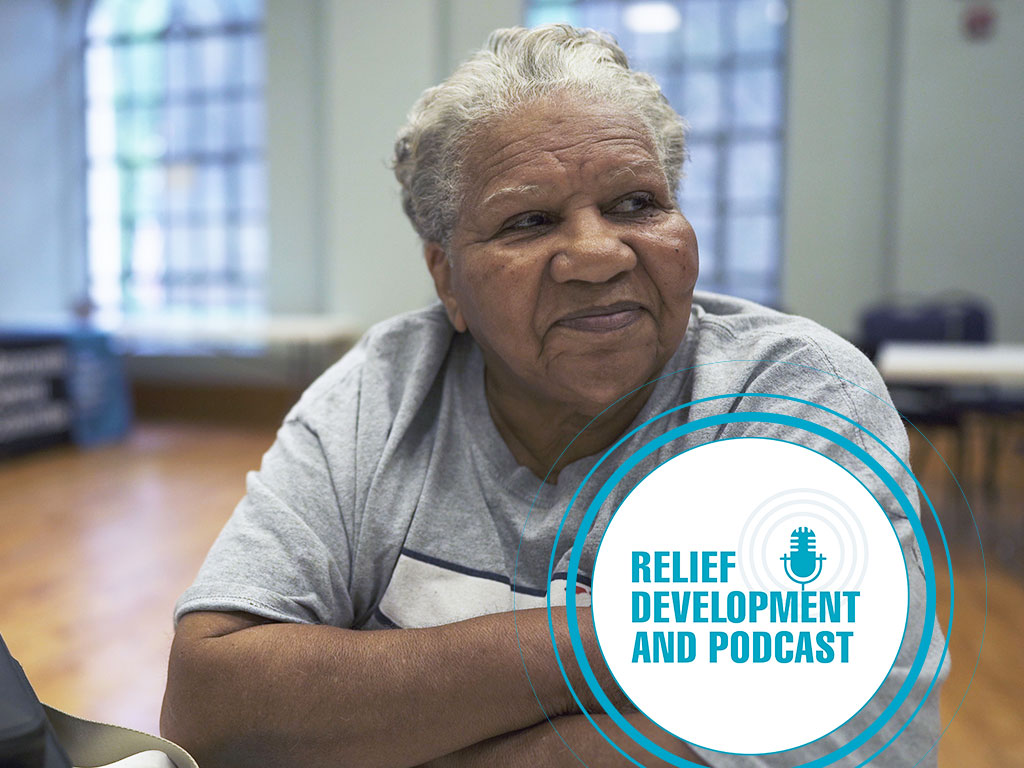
[(95, 547)]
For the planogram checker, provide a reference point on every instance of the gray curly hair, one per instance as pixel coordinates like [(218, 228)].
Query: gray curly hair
[(515, 67)]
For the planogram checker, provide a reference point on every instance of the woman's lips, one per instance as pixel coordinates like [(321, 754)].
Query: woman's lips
[(602, 321)]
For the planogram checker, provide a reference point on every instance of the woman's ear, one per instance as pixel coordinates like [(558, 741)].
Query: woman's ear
[(441, 271)]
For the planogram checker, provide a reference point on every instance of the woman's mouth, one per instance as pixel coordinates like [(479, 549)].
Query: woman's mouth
[(603, 319)]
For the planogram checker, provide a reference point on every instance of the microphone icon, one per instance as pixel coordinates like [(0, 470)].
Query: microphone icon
[(802, 564)]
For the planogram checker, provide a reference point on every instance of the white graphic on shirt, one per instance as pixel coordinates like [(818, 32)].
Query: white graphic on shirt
[(429, 594)]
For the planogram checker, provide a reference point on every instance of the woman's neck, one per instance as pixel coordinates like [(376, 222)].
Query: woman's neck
[(539, 433)]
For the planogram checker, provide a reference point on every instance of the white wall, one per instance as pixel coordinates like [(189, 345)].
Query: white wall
[(379, 58), (342, 74), (295, 146), (41, 166), (962, 160), (835, 161), (913, 197)]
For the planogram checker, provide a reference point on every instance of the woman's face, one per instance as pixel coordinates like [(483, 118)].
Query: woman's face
[(570, 264)]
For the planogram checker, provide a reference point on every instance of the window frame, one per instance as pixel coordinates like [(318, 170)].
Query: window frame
[(236, 284), (725, 211)]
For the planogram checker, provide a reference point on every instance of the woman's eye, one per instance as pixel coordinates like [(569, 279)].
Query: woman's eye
[(633, 203), (525, 221)]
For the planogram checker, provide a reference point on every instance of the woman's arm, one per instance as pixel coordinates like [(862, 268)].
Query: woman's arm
[(244, 691), (575, 743)]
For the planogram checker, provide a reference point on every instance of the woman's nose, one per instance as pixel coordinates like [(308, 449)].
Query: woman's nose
[(591, 250)]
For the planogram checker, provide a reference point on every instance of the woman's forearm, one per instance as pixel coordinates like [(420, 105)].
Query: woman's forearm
[(241, 691), (568, 742)]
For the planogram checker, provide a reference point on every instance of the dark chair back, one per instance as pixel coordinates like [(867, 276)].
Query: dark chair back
[(965, 319)]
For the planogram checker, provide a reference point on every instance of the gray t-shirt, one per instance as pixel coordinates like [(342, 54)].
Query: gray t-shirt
[(390, 500)]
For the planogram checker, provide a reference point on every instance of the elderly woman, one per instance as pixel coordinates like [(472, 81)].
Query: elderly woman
[(358, 607)]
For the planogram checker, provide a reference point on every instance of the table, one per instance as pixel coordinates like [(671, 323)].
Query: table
[(951, 363), (988, 380)]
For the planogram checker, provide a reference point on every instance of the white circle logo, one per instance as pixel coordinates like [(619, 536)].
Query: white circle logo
[(750, 581)]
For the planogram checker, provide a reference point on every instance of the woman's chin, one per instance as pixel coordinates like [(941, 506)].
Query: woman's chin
[(594, 388)]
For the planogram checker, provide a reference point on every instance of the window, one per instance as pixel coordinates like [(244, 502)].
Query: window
[(176, 193), (721, 64)]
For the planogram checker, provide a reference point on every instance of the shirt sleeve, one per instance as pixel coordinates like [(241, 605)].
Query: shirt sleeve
[(285, 552)]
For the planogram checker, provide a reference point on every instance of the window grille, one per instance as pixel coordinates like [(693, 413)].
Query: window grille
[(721, 64), (176, 198)]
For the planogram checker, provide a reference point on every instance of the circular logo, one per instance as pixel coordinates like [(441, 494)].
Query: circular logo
[(750, 581)]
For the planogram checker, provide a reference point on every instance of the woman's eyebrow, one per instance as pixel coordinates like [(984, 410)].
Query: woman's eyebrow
[(522, 189), (634, 169)]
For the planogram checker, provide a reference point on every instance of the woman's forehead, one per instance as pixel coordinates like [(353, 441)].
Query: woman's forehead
[(544, 141)]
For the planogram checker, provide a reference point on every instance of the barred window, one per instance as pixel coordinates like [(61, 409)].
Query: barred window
[(176, 195), (721, 63)]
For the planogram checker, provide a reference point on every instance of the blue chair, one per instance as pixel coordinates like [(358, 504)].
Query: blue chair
[(959, 320)]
